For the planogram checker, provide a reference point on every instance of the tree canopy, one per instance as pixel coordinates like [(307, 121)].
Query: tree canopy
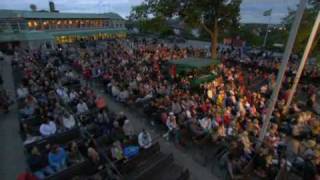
[(213, 16), (305, 27)]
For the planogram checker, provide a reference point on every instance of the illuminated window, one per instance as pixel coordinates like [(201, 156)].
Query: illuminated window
[(30, 24)]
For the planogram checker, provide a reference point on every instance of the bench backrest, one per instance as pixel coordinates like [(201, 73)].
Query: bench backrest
[(60, 138), (155, 148), (72, 171)]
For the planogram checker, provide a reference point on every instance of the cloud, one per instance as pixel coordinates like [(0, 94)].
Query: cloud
[(251, 10)]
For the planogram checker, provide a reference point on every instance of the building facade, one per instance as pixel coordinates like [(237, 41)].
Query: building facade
[(34, 28)]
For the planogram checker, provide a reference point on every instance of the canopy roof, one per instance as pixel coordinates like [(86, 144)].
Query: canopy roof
[(194, 63), (4, 13)]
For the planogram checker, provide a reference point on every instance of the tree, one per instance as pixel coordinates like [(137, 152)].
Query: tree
[(213, 16), (305, 27), (139, 17), (33, 7)]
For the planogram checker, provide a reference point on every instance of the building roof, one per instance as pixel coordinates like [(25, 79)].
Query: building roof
[(47, 35), (4, 13)]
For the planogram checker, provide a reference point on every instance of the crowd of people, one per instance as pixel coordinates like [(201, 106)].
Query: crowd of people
[(228, 110), (53, 102)]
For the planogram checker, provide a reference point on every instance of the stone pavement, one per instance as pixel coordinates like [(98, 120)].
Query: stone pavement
[(12, 159)]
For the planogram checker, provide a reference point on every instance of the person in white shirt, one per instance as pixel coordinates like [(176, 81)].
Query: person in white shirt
[(124, 95), (115, 91), (62, 93), (73, 95), (205, 123), (22, 92), (82, 107), (144, 139), (48, 128), (68, 121)]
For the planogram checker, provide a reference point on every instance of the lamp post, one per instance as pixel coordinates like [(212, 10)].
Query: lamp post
[(303, 61), (284, 63)]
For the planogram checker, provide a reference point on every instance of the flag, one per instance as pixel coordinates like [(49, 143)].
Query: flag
[(267, 12)]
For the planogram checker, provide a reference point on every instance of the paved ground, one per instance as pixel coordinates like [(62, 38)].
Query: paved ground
[(12, 159)]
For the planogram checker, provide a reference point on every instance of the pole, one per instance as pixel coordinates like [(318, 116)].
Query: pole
[(303, 61), (284, 62), (267, 33)]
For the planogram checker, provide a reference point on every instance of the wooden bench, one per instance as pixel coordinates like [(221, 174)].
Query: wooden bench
[(143, 155), (60, 138), (72, 171), (151, 165)]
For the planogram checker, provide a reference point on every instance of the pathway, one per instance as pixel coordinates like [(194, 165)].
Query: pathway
[(12, 159)]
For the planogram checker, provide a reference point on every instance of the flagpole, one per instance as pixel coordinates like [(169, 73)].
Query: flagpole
[(267, 33), (303, 61), (284, 63)]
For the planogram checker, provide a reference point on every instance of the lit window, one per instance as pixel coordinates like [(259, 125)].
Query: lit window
[(30, 24)]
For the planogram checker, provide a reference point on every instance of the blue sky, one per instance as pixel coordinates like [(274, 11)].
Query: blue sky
[(251, 10)]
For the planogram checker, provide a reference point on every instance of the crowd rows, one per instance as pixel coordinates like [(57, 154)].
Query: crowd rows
[(54, 105), (229, 109)]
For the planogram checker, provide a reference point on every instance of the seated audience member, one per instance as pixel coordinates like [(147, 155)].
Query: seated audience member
[(73, 95), (128, 129), (22, 92), (82, 107), (68, 120), (74, 155), (63, 94), (115, 90), (124, 95), (100, 102), (116, 151), (27, 111), (205, 124), (39, 164), (144, 139), (48, 128), (57, 158), (93, 155)]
